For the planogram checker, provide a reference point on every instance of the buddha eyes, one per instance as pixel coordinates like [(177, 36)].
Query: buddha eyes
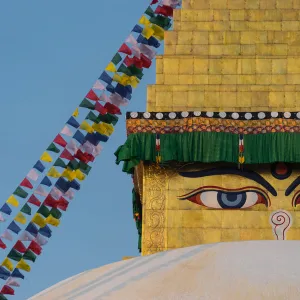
[(217, 198)]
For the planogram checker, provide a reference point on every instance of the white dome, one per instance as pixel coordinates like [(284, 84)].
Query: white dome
[(241, 270)]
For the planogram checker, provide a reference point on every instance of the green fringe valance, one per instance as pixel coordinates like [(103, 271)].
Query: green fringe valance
[(183, 147), (209, 147)]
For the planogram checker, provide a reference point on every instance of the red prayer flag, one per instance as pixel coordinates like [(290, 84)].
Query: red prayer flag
[(35, 247), (138, 63), (128, 61), (91, 95), (164, 10), (125, 49), (146, 61), (7, 290), (67, 155), (63, 204), (19, 246), (60, 141), (112, 109), (2, 245), (34, 200), (26, 183), (51, 202), (154, 2), (100, 108), (84, 157)]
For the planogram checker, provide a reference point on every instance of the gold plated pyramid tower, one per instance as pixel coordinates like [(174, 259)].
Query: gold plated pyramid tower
[(230, 55)]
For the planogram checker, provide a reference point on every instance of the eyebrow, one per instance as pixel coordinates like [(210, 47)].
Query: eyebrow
[(232, 171), (292, 186)]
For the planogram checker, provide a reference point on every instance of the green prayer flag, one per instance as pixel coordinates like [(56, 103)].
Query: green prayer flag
[(44, 211), (56, 213), (136, 71), (20, 192), (116, 59), (53, 148), (91, 116), (84, 168), (149, 11), (87, 104), (108, 118), (161, 21), (29, 255), (26, 209), (14, 255), (125, 70), (73, 164), (2, 297), (60, 163)]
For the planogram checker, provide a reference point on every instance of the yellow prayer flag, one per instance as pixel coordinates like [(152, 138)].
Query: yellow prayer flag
[(134, 81), (46, 157), (103, 128), (117, 78), (79, 175), (111, 68), (13, 201), (53, 173), (109, 128), (8, 264), (76, 113), (86, 126), (39, 220), (158, 32), (22, 264), (20, 218), (52, 221), (144, 21), (69, 174), (125, 79), (148, 32)]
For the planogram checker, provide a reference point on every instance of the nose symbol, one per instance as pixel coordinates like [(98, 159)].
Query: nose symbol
[(281, 221)]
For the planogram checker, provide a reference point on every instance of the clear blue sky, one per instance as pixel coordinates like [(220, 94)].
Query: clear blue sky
[(51, 53)]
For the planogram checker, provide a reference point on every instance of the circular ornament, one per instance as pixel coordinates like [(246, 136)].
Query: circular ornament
[(133, 115)]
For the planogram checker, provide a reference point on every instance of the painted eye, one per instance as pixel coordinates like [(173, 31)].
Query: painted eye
[(220, 199)]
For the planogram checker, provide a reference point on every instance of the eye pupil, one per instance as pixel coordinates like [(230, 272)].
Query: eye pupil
[(231, 200)]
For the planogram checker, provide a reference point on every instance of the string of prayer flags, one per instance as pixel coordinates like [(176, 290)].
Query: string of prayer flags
[(126, 69)]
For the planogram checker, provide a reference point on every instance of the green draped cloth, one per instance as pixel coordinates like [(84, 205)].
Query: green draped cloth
[(209, 147)]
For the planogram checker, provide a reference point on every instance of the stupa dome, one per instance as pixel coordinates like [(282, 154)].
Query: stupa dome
[(236, 270)]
